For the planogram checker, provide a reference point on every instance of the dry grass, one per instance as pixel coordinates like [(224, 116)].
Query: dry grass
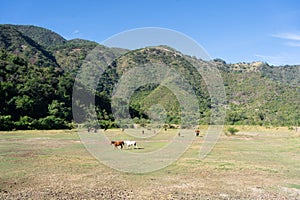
[(257, 163)]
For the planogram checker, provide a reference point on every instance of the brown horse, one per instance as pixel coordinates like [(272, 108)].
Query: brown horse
[(117, 143), (197, 132)]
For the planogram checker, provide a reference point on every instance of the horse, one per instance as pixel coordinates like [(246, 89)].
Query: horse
[(130, 143), (197, 132), (92, 129), (117, 143)]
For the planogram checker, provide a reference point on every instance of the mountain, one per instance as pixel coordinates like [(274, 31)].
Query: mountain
[(42, 36), (151, 94), (11, 40), (286, 74), (255, 98), (257, 94), (38, 68), (70, 54)]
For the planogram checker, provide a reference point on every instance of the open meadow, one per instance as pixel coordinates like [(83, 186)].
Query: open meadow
[(256, 163)]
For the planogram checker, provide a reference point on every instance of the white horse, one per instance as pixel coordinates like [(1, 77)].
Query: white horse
[(130, 143)]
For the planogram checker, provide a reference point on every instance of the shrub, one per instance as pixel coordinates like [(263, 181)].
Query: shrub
[(50, 122), (232, 130), (6, 123), (24, 123)]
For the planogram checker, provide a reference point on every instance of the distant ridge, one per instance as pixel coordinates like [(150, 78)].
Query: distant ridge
[(42, 36), (25, 47)]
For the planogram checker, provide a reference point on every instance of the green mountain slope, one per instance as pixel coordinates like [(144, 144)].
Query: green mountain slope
[(37, 76), (255, 99), (151, 95), (13, 41), (72, 53), (286, 74), (42, 36)]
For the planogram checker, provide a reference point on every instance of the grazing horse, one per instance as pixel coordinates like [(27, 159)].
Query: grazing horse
[(117, 143), (197, 132), (130, 143)]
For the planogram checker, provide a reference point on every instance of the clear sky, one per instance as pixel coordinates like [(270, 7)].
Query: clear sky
[(233, 30)]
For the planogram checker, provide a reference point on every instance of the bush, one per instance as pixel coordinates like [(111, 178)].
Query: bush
[(50, 122), (232, 130), (6, 123), (24, 123)]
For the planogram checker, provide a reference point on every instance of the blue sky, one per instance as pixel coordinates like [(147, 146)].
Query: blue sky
[(234, 30)]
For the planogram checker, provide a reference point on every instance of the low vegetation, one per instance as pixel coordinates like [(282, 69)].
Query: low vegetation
[(232, 130)]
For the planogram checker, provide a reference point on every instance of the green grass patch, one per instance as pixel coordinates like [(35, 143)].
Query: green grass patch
[(297, 186)]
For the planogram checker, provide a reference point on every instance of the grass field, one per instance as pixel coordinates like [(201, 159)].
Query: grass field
[(256, 163)]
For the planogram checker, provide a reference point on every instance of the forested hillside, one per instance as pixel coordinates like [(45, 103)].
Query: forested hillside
[(15, 42), (42, 36), (38, 68)]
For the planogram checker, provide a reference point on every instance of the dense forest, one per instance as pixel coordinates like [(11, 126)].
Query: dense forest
[(38, 68)]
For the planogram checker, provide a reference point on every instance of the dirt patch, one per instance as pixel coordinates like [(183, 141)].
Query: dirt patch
[(24, 153)]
